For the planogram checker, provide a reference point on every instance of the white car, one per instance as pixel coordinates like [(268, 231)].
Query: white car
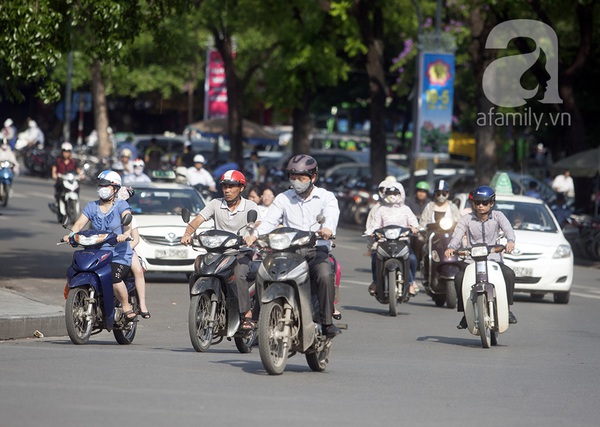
[(542, 259), (156, 208)]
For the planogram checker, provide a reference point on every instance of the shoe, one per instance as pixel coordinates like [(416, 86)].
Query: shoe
[(336, 315), (413, 290), (372, 289), (463, 323), (331, 331), (512, 319)]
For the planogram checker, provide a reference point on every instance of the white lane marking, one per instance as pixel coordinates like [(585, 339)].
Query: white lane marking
[(585, 295)]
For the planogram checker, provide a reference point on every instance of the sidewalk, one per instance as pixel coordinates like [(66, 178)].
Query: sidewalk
[(21, 317)]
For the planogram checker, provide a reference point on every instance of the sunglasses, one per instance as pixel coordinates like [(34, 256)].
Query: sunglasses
[(392, 192), (479, 202), (441, 193)]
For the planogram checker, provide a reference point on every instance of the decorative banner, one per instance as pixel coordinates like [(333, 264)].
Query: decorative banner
[(436, 93), (215, 87)]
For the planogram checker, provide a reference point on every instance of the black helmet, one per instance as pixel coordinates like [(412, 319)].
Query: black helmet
[(483, 194), (302, 164)]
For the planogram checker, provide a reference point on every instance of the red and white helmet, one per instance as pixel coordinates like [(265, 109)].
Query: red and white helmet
[(233, 177)]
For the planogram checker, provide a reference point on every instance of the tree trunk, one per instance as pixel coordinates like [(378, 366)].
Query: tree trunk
[(370, 21), (302, 126), (485, 146), (100, 111)]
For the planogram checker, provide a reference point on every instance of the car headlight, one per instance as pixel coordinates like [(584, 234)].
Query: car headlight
[(563, 251), (92, 240)]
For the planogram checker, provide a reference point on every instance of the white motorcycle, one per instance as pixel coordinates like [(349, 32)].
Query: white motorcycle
[(484, 295), (68, 200)]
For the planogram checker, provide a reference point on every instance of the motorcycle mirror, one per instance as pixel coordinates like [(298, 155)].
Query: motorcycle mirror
[(185, 215), (65, 222), (252, 215), (321, 219), (126, 220)]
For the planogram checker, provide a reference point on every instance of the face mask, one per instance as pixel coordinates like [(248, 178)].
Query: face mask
[(138, 171), (104, 193), (300, 187), (441, 199), (392, 199)]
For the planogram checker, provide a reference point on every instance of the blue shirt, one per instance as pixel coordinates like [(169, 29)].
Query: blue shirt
[(111, 220)]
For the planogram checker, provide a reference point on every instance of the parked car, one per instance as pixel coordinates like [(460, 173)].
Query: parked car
[(356, 174), (543, 258), (157, 210)]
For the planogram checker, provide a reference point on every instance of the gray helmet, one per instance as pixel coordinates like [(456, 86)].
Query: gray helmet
[(302, 164)]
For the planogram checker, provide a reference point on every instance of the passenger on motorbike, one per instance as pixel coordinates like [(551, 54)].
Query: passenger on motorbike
[(440, 206), (63, 165), (395, 212), (298, 208), (230, 213), (482, 226), (138, 174), (106, 214), (7, 154), (421, 198)]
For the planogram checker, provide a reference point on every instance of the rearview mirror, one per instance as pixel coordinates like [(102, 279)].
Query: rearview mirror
[(185, 215), (321, 219), (252, 215), (126, 219)]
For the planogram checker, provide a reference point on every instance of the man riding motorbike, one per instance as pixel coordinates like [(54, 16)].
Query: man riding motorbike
[(63, 165)]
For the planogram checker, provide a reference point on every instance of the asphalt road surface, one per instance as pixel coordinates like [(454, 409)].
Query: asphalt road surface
[(415, 369)]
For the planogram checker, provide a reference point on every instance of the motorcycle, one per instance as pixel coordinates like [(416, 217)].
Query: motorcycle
[(91, 305), (6, 177), (484, 294), (392, 266), (288, 309), (439, 271), (68, 198), (214, 310)]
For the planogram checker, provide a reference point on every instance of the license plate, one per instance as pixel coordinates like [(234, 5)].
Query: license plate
[(170, 253), (523, 271)]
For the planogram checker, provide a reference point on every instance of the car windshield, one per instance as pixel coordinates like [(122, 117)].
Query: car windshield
[(527, 216), (155, 201)]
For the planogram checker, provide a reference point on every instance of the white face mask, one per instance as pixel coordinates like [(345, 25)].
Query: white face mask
[(300, 187), (104, 193), (441, 199), (392, 199)]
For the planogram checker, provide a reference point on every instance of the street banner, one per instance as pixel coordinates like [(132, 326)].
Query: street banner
[(215, 87), (436, 93)]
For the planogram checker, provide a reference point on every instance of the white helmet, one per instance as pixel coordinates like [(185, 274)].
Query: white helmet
[(109, 177), (66, 146), (126, 152), (8, 122), (199, 158)]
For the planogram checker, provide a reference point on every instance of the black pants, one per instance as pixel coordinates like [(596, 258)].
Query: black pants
[(509, 280), (241, 288), (321, 277)]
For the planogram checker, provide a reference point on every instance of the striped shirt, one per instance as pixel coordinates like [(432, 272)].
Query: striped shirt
[(478, 232)]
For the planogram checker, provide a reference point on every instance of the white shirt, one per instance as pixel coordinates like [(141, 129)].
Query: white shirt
[(291, 210), (10, 156), (202, 176), (226, 219), (564, 184)]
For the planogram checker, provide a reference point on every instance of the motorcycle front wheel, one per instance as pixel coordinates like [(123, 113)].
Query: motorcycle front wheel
[(272, 344), (483, 320), (392, 277), (72, 211), (126, 334), (451, 297), (4, 194), (79, 326), (199, 323)]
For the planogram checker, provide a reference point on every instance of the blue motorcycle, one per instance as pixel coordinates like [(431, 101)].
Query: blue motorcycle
[(6, 177), (91, 304)]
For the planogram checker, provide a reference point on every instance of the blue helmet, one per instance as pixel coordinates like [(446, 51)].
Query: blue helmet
[(483, 194), (441, 185)]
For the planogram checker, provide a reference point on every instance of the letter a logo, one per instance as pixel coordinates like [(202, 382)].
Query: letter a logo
[(501, 79)]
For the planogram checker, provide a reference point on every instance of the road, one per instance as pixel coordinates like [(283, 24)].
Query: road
[(415, 369)]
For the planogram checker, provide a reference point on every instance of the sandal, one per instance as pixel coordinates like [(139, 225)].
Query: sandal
[(247, 324), (413, 290), (336, 315), (127, 317), (372, 289), (145, 314)]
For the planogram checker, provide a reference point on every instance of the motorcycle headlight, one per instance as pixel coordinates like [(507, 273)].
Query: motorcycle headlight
[(212, 242), (92, 240), (445, 223), (563, 251), (280, 241), (392, 233), (479, 251)]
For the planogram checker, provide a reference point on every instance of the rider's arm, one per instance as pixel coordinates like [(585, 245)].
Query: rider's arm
[(460, 230)]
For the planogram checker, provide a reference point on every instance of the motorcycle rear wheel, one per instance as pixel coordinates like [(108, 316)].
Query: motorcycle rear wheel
[(79, 327), (4, 194), (273, 346), (392, 277), (483, 317), (125, 335), (199, 323), (72, 211)]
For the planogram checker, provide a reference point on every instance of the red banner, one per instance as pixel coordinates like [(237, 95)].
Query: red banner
[(215, 87)]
